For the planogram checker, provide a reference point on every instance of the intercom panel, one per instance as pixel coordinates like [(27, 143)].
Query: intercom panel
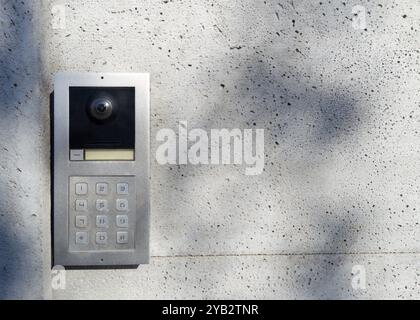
[(101, 169)]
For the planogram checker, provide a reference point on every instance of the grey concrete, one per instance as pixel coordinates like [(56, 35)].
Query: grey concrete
[(252, 277), (340, 109), (24, 150)]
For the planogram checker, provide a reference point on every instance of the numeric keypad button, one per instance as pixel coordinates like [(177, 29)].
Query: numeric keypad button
[(81, 205), (101, 237), (101, 205), (122, 188), (82, 237), (102, 222), (81, 221), (102, 188), (122, 221), (122, 237), (122, 204), (81, 189)]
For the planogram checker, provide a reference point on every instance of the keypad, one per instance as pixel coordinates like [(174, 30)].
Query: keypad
[(102, 213)]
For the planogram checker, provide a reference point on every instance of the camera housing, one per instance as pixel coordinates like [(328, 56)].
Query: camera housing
[(102, 118)]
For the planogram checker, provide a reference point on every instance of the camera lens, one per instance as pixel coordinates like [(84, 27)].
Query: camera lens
[(101, 108)]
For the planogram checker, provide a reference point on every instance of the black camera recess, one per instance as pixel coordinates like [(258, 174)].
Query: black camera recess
[(102, 117)]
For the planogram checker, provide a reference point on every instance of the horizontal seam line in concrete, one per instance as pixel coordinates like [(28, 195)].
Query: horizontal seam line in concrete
[(288, 254)]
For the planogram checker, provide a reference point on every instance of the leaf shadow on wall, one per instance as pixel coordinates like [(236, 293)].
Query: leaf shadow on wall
[(20, 263), (304, 122)]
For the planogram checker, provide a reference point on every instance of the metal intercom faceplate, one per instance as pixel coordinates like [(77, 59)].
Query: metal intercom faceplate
[(101, 169)]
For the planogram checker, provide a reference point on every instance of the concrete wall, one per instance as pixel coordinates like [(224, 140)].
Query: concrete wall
[(340, 109), (24, 155)]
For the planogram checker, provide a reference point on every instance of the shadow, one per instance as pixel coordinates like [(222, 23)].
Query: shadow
[(305, 122), (12, 260), (21, 178)]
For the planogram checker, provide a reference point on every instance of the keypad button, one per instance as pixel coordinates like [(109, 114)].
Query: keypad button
[(81, 205), (122, 188), (122, 221), (81, 189), (81, 221), (102, 188), (122, 204), (82, 238), (122, 237), (76, 155), (101, 237), (101, 205), (102, 221)]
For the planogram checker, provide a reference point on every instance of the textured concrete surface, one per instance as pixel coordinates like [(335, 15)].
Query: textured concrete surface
[(24, 156), (252, 277), (341, 111)]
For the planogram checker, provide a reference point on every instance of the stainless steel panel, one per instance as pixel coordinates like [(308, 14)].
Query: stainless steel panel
[(64, 169)]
